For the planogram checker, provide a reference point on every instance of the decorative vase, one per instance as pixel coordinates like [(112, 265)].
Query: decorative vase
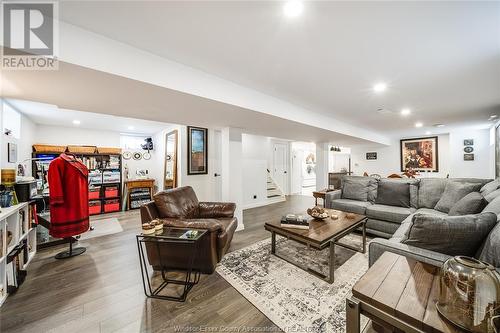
[(469, 294)]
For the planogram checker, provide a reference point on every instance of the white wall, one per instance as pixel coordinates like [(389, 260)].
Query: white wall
[(59, 135), (450, 149)]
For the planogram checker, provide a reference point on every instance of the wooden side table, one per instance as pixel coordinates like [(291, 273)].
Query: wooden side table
[(398, 294), (320, 195), (137, 183)]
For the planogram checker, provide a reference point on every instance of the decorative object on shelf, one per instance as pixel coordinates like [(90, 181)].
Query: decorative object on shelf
[(317, 213), (469, 142), (410, 173), (197, 150), (5, 198), (371, 156), (148, 145), (127, 155), (419, 154), (146, 156), (469, 294), (468, 157), (336, 149), (137, 156), (11, 152), (468, 149)]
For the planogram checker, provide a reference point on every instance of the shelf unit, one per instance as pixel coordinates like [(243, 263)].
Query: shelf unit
[(18, 220), (98, 164)]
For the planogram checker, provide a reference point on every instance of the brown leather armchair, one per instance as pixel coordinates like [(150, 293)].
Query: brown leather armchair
[(179, 207)]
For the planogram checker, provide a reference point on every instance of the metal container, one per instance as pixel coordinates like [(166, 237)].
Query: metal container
[(469, 295)]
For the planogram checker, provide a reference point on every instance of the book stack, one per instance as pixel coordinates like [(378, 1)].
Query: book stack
[(295, 221)]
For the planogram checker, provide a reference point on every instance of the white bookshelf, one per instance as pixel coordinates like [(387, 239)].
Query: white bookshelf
[(15, 219)]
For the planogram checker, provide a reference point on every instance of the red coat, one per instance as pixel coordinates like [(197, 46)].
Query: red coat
[(69, 197)]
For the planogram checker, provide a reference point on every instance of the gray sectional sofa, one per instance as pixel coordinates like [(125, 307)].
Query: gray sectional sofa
[(391, 206)]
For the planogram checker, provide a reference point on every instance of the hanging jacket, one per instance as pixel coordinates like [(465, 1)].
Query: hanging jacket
[(68, 195)]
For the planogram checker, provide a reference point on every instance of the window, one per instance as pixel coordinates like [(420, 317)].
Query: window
[(11, 121)]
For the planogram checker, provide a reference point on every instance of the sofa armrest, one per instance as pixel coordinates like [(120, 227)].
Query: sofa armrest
[(332, 195), (211, 225), (216, 209), (149, 212), (379, 245)]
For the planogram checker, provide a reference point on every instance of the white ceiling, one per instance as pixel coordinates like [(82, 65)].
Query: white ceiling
[(441, 59), (48, 114)]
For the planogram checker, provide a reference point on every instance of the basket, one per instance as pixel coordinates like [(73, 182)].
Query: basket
[(110, 151), (82, 149), (8, 176), (48, 149)]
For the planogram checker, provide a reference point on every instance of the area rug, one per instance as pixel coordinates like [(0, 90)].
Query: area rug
[(102, 227), (290, 297)]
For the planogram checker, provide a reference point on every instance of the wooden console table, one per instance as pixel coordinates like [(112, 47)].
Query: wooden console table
[(398, 294)]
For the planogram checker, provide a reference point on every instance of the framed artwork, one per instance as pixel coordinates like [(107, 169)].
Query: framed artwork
[(371, 156), (197, 150), (468, 149), (11, 152), (468, 157), (469, 142), (420, 154)]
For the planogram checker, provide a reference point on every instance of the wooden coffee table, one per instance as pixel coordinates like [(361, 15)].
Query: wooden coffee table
[(398, 294), (321, 234)]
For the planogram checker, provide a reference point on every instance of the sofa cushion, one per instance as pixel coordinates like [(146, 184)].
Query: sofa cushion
[(348, 205), (430, 191), (430, 211), (359, 188), (451, 235), (453, 192), (472, 203), (492, 195), (388, 213), (393, 193), (382, 227), (490, 251), (490, 187)]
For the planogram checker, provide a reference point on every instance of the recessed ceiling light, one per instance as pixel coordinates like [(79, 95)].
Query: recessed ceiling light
[(418, 124), (293, 8), (380, 87), (76, 122), (405, 112), (428, 133), (131, 128), (438, 125)]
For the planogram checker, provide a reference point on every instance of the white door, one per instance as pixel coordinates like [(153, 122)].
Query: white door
[(297, 157), (217, 166), (280, 166)]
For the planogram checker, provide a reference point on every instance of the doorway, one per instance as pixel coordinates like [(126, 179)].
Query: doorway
[(303, 168), (280, 157), (217, 165)]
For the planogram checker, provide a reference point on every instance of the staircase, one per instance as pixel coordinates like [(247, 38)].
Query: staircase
[(274, 193)]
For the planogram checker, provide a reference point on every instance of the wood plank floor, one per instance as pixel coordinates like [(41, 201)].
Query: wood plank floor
[(101, 291)]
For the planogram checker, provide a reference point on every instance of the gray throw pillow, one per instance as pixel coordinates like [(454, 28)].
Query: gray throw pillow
[(430, 191), (490, 251), (451, 235), (492, 195), (393, 193), (359, 188), (493, 206), (490, 187), (472, 203), (453, 192)]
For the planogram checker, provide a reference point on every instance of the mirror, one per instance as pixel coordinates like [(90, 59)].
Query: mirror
[(170, 176)]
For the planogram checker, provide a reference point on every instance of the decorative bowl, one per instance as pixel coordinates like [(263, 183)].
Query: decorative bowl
[(469, 294), (317, 213)]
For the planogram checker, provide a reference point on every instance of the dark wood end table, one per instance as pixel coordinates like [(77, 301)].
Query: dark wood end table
[(172, 236), (320, 235), (398, 294), (320, 195)]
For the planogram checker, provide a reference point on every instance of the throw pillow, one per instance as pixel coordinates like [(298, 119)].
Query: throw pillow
[(492, 195), (430, 191), (490, 252), (453, 192), (359, 188), (393, 193), (472, 203), (451, 235), (493, 206), (490, 187)]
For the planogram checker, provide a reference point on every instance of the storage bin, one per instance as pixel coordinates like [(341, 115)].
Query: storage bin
[(111, 192), (94, 207), (82, 149), (94, 192), (111, 177), (111, 206), (49, 149), (107, 150)]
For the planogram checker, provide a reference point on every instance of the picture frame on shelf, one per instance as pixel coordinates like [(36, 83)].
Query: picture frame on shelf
[(371, 156), (468, 142), (197, 150), (468, 157)]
